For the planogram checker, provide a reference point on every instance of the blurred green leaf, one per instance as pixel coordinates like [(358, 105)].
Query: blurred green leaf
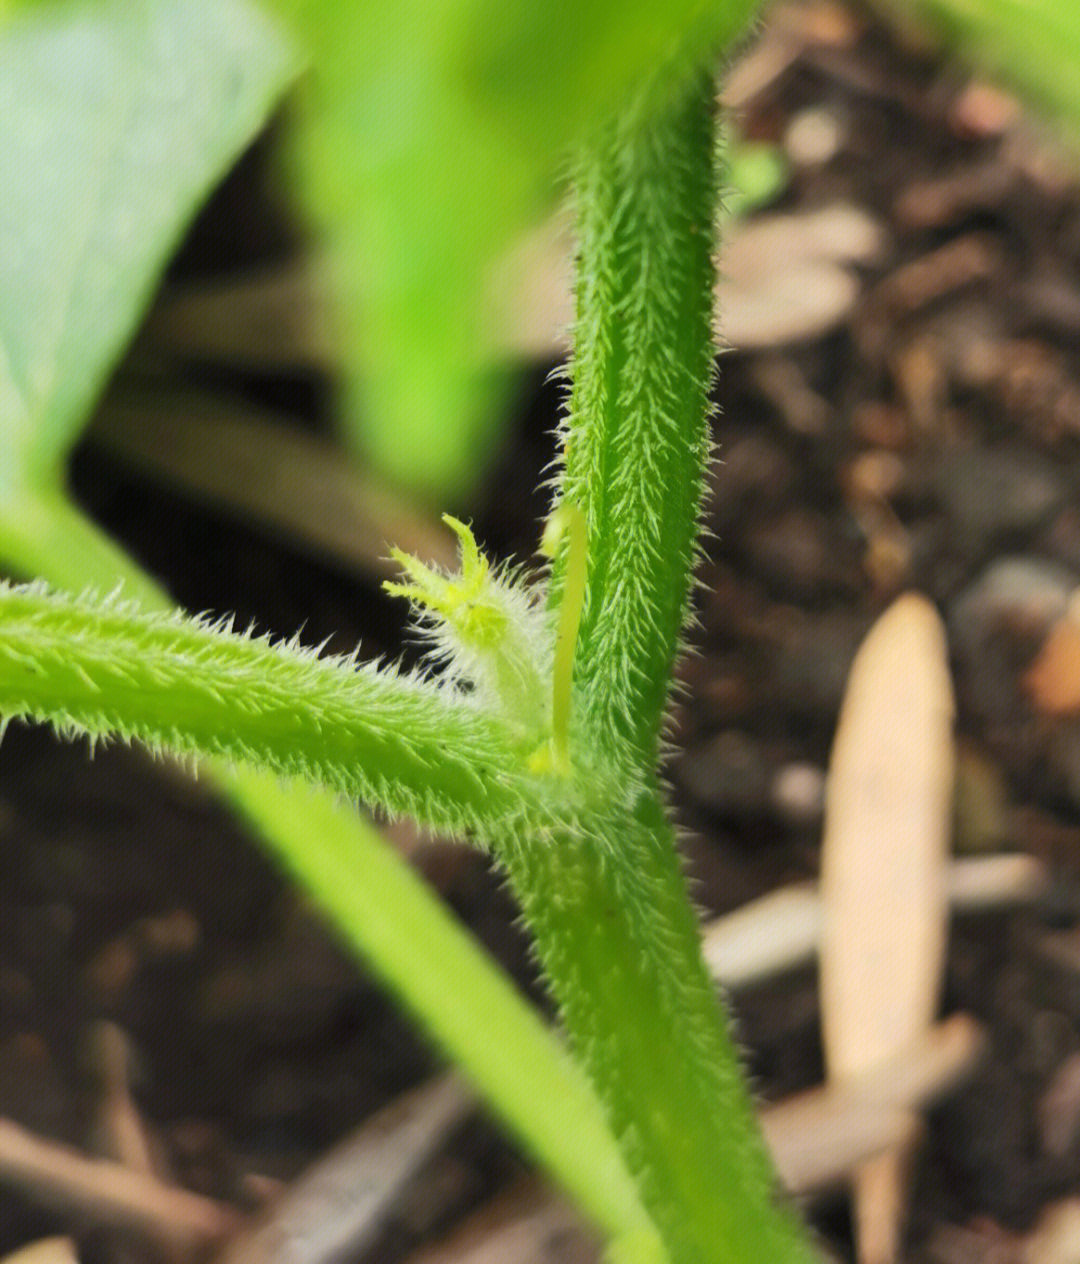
[(118, 116), (1032, 44), (755, 173), (435, 134)]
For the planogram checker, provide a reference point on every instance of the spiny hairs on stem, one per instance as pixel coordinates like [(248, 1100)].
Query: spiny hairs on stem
[(619, 941), (194, 687), (636, 438)]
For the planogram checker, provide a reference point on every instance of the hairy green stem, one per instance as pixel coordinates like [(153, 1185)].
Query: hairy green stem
[(102, 667), (636, 438), (608, 907), (589, 851), (389, 916), (599, 882), (620, 945), (568, 521)]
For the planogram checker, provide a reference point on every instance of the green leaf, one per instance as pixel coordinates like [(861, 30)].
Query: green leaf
[(436, 134), (118, 117), (755, 173)]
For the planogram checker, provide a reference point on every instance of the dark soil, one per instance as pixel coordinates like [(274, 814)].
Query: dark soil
[(919, 441)]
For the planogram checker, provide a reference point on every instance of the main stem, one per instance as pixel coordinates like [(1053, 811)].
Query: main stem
[(608, 907), (621, 948), (636, 440)]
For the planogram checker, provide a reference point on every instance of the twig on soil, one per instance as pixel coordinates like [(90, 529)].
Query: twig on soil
[(120, 1132), (782, 930), (45, 1251), (253, 464), (818, 1136), (55, 1176), (340, 1204), (526, 1224), (958, 264)]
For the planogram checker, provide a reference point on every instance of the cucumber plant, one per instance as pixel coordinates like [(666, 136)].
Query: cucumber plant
[(537, 738)]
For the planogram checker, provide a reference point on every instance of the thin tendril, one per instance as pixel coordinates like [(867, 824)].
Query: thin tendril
[(567, 520)]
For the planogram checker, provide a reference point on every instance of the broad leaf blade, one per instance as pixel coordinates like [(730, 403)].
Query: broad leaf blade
[(436, 135), (118, 117)]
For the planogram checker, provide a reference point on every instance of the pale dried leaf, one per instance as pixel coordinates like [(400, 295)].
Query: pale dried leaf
[(884, 865), (1056, 1238), (883, 880), (45, 1251)]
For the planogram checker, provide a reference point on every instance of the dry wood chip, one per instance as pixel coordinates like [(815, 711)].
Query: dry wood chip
[(883, 879), (1053, 679), (336, 1209), (45, 1251)]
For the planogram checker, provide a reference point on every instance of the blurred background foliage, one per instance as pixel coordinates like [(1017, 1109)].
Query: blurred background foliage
[(432, 137), (429, 139), (1034, 45), (116, 122)]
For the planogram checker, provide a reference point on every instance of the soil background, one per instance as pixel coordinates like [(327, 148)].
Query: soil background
[(920, 430)]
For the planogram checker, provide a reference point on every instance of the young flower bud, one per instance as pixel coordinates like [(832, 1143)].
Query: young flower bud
[(489, 630)]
